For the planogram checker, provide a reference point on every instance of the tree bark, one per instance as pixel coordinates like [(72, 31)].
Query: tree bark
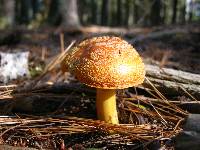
[(164, 13), (172, 75), (36, 4), (69, 13), (105, 12), (172, 88), (94, 12), (189, 138), (54, 16), (119, 13), (25, 14), (183, 13), (135, 12), (155, 13), (189, 12), (9, 11), (172, 82), (127, 12), (174, 5), (158, 34)]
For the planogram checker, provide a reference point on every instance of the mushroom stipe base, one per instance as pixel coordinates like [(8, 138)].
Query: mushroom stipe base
[(106, 105)]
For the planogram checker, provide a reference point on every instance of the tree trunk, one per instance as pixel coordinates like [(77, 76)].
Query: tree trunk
[(155, 13), (105, 12), (127, 12), (119, 13), (81, 11), (172, 82), (189, 9), (36, 4), (174, 5), (94, 11), (183, 13), (26, 12), (9, 11), (164, 13), (135, 12), (69, 14), (54, 16)]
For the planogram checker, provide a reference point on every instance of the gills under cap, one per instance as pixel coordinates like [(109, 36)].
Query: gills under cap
[(107, 63)]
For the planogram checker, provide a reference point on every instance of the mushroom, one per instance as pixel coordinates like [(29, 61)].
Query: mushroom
[(106, 63)]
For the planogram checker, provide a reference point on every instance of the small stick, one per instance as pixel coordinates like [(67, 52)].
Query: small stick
[(44, 51), (62, 47)]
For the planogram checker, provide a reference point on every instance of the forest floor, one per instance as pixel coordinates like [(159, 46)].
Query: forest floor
[(46, 110)]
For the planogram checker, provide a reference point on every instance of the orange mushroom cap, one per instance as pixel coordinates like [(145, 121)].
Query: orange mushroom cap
[(107, 63)]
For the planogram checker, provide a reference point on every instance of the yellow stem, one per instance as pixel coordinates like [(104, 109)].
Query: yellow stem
[(106, 105)]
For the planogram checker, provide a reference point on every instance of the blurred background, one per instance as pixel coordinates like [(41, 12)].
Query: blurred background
[(75, 13)]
